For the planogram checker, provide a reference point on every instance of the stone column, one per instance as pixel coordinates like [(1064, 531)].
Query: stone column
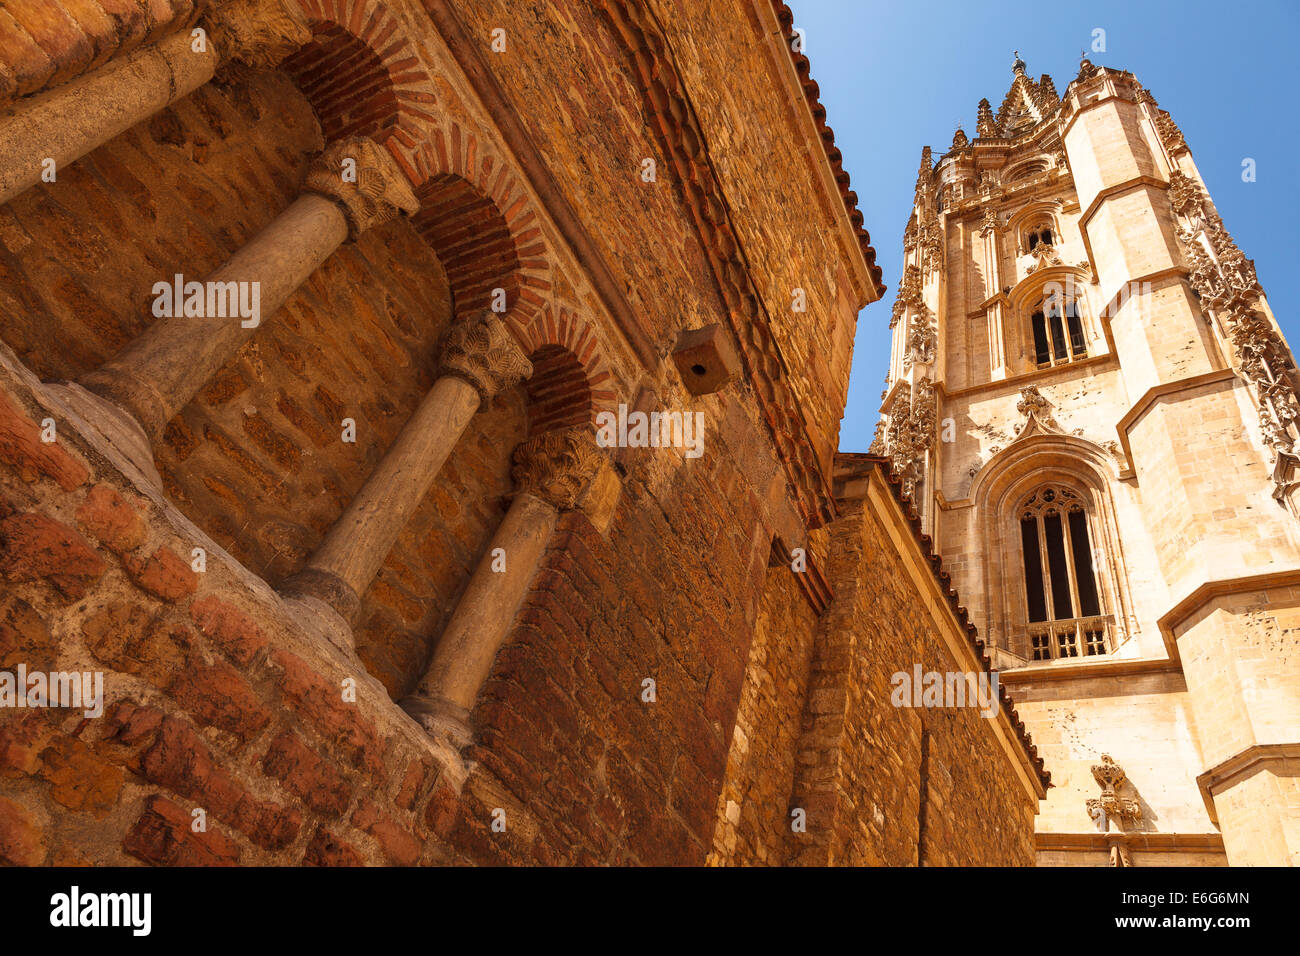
[(70, 121), (552, 472), (988, 232), (480, 358), (353, 185)]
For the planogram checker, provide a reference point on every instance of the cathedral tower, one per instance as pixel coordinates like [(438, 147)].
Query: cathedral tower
[(1092, 405)]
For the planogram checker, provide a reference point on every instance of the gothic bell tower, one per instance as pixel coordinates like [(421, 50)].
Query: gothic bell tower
[(1094, 410)]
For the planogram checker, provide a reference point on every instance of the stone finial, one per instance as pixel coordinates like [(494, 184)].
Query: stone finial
[(258, 33), (1111, 806), (985, 125), (1035, 407), (365, 180), (482, 351), (558, 465), (959, 139)]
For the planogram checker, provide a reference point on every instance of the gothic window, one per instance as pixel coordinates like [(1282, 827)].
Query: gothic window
[(1058, 333), (1062, 600), (1036, 235)]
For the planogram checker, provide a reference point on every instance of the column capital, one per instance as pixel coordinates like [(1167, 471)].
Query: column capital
[(363, 178), (557, 466), (258, 33), (482, 351)]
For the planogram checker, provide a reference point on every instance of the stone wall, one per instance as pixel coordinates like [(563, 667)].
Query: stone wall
[(258, 459), (753, 815), (898, 786)]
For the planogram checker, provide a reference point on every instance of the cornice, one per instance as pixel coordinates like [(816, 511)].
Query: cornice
[(468, 54), (826, 135), (683, 141), (1208, 591), (1240, 765), (1157, 392)]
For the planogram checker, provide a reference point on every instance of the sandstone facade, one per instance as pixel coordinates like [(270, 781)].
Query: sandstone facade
[(1093, 407)]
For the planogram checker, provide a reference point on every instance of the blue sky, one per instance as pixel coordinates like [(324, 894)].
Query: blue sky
[(896, 76)]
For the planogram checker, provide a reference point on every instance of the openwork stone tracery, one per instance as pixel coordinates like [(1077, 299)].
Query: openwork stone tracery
[(1226, 282)]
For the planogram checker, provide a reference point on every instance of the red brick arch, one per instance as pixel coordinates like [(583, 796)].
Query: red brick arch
[(362, 75), (571, 381), (473, 242), (455, 152)]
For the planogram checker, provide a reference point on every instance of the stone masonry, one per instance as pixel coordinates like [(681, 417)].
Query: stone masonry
[(1092, 405)]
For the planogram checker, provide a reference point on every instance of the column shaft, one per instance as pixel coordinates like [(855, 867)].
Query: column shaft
[(359, 542), (486, 611), (66, 123), (157, 374)]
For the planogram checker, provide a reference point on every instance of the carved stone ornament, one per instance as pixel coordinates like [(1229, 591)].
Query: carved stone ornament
[(1170, 135), (1045, 255), (990, 222), (932, 245), (922, 329), (985, 125), (909, 434), (364, 178), (557, 466), (258, 33), (484, 353), (909, 294), (1226, 283), (1035, 408), (1111, 806), (910, 236)]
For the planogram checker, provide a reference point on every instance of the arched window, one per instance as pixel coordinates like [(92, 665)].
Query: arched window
[(1041, 233), (1063, 602), (1058, 333)]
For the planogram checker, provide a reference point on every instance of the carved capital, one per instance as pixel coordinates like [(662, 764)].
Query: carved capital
[(557, 466), (258, 33), (484, 353), (365, 180)]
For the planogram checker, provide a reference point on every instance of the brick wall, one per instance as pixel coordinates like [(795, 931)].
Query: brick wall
[(753, 814), (214, 698), (257, 459), (218, 699), (566, 740), (886, 785)]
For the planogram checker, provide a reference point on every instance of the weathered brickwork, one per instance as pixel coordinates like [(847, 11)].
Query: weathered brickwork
[(887, 785), (213, 700), (593, 656), (258, 460), (753, 816)]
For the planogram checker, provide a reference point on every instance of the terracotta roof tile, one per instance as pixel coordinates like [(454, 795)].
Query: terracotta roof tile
[(833, 156)]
